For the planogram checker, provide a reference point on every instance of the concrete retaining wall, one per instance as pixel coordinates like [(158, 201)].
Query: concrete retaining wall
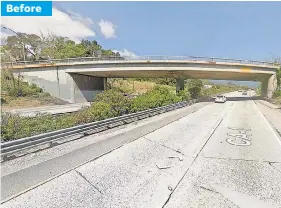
[(70, 87)]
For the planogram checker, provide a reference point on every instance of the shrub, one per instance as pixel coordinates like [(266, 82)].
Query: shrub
[(15, 86), (107, 104), (9, 125), (96, 112), (100, 111), (277, 94), (118, 101), (194, 87), (158, 96), (278, 76), (184, 95), (27, 90), (14, 126)]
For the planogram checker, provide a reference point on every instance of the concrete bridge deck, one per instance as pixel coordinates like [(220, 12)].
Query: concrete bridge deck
[(142, 59), (76, 80)]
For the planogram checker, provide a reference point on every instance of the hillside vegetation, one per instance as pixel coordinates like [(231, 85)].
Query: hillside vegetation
[(15, 92), (123, 96), (277, 94), (111, 103)]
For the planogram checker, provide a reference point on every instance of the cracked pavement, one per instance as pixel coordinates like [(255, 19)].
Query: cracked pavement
[(222, 155)]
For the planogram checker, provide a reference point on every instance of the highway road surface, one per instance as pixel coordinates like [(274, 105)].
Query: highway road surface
[(215, 155)]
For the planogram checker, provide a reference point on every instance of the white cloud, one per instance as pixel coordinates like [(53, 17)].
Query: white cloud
[(70, 25), (85, 20), (4, 35), (107, 28), (125, 52)]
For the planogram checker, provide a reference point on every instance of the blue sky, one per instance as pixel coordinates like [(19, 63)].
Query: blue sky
[(247, 30)]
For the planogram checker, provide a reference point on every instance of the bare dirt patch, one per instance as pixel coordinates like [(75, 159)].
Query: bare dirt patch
[(9, 102)]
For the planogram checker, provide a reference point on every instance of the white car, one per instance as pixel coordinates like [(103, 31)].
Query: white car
[(220, 99)]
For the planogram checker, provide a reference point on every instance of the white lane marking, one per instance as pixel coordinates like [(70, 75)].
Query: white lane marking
[(241, 136), (243, 142), (269, 126)]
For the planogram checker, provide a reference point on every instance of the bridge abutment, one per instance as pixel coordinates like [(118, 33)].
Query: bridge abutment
[(179, 84), (269, 85), (85, 87)]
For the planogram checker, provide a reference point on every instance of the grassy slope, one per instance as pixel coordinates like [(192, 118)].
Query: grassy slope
[(10, 102), (277, 98), (19, 94)]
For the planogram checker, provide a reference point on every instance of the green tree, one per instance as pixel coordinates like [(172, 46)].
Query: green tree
[(92, 48), (194, 87), (34, 47), (28, 45)]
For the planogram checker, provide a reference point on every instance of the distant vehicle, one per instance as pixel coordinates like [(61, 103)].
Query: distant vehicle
[(220, 99), (239, 90), (244, 93)]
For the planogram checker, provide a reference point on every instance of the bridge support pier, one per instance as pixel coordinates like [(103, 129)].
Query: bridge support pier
[(179, 84), (269, 85), (84, 87)]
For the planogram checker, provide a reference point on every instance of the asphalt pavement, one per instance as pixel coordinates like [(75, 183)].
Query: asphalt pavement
[(219, 155)]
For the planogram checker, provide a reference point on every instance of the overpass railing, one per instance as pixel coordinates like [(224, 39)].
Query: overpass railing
[(142, 58)]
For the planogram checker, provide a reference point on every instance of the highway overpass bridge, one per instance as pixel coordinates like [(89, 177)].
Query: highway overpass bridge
[(79, 79)]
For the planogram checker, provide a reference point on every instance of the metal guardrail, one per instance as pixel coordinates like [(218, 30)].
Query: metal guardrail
[(11, 147), (142, 58)]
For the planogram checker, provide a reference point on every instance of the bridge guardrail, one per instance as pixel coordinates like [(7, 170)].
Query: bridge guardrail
[(142, 58), (11, 147)]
